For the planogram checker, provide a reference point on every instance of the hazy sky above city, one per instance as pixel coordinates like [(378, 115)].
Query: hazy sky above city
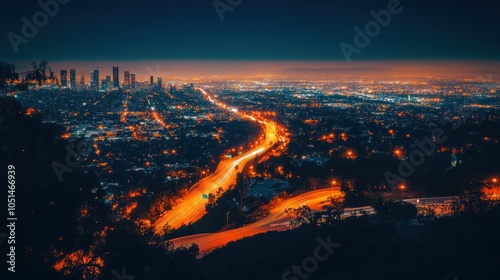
[(123, 30)]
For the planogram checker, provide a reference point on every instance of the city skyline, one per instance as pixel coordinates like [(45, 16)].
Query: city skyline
[(193, 68), (250, 139)]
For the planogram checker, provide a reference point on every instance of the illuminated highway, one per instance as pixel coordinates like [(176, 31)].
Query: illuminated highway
[(277, 220), (192, 206)]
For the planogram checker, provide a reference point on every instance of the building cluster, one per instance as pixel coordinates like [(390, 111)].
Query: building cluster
[(153, 136), (109, 83)]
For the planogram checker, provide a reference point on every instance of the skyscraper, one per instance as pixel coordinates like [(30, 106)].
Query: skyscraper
[(64, 78), (82, 80), (72, 78), (132, 80), (151, 81), (127, 79), (106, 83), (95, 78), (160, 83), (91, 80), (116, 77)]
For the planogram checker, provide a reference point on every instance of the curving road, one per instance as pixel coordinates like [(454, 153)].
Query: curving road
[(192, 206), (277, 220)]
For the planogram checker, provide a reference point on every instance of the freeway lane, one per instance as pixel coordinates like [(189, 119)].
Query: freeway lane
[(278, 220), (192, 206)]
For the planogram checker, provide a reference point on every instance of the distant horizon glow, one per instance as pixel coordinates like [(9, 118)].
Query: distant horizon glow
[(143, 69)]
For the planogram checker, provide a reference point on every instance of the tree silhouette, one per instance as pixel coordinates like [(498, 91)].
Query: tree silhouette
[(396, 210), (39, 72), (300, 216), (58, 218), (7, 74), (334, 210)]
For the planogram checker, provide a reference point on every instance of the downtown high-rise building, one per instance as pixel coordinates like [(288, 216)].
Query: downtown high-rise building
[(116, 77), (151, 81), (106, 83), (64, 78), (160, 82), (132, 80), (82, 80), (95, 79), (126, 79), (72, 78)]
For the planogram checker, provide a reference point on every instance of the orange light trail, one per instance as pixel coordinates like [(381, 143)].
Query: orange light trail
[(192, 207)]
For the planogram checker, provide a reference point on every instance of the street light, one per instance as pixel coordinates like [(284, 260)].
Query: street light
[(495, 181), (334, 182)]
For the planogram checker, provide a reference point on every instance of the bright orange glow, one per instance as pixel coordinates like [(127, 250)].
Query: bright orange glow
[(276, 221), (133, 194), (280, 170), (96, 149), (328, 138), (491, 192), (192, 207), (83, 212), (351, 154), (402, 187), (129, 208), (92, 265), (30, 111), (494, 180), (344, 137)]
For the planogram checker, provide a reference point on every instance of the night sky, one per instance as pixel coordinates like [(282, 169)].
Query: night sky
[(255, 30)]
